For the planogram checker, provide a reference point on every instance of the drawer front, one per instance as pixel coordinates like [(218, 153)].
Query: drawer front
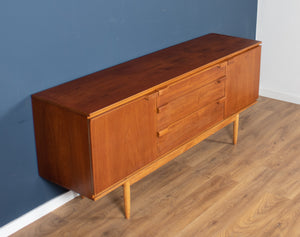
[(186, 85), (189, 127), (189, 103)]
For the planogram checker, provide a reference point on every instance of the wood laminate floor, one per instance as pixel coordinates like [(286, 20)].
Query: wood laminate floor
[(214, 189)]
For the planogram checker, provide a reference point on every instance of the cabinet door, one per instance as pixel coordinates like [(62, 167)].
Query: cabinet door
[(123, 140), (242, 80)]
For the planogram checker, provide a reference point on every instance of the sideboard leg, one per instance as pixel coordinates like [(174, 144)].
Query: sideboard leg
[(236, 129), (126, 189)]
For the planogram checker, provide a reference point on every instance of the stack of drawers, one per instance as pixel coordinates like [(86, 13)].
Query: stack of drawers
[(189, 106)]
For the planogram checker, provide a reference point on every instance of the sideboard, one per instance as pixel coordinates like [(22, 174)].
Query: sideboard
[(115, 126)]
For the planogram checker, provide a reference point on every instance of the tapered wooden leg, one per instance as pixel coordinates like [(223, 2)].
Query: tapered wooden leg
[(236, 129), (126, 189)]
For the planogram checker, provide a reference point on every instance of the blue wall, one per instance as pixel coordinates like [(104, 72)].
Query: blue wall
[(45, 43)]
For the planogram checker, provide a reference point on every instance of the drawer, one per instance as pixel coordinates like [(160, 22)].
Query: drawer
[(190, 126), (189, 103), (190, 83)]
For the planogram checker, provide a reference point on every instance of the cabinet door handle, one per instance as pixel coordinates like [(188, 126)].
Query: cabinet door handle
[(163, 90), (162, 108), (163, 132)]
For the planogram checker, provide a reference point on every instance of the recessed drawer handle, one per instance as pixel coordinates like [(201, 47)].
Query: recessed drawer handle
[(163, 91), (220, 80), (221, 100), (162, 108), (149, 96), (163, 132)]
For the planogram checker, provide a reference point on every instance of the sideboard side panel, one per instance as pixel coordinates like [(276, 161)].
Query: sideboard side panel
[(123, 140), (62, 145), (242, 83)]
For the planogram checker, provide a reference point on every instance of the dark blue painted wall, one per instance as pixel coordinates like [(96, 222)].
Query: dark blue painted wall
[(45, 43)]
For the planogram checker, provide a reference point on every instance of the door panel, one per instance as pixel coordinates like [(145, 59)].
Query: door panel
[(122, 141), (242, 80)]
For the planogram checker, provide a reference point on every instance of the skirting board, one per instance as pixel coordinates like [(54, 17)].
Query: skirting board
[(292, 98), (36, 213)]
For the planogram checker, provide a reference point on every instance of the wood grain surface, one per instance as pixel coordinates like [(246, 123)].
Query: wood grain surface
[(213, 189), (122, 141), (242, 82), (190, 83), (106, 89), (62, 145), (183, 130), (184, 105)]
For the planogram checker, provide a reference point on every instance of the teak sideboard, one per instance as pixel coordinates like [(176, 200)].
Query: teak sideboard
[(116, 126)]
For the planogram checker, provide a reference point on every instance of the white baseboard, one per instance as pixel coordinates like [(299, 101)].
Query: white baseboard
[(292, 98), (36, 213)]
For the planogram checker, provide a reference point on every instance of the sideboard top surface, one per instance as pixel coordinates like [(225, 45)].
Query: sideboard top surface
[(92, 94)]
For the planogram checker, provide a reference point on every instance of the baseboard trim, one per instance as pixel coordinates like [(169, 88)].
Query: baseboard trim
[(36, 213), (292, 98)]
